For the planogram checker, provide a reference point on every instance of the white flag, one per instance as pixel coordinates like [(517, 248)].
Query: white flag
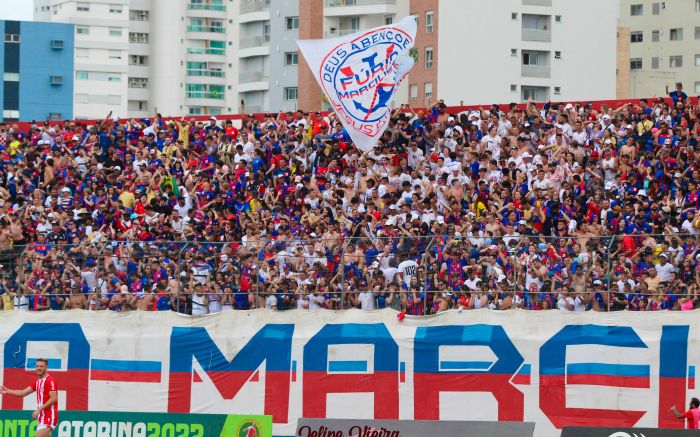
[(360, 73)]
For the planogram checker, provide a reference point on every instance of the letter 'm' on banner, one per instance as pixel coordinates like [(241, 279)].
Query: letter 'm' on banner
[(323, 375), (272, 344), (434, 374)]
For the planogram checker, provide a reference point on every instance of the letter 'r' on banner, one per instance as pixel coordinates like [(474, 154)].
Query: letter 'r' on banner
[(360, 73)]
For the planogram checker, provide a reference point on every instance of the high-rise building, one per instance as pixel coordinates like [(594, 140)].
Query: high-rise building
[(663, 40), (36, 60), (514, 50)]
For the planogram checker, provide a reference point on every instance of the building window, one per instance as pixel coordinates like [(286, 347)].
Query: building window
[(137, 105), (138, 37), (557, 90), (655, 8), (82, 30), (82, 75), (291, 58), (697, 87), (117, 9), (136, 15), (57, 44), (697, 32), (535, 22), (82, 52), (676, 34), (388, 19), (636, 10), (697, 60), (429, 22), (697, 5), (266, 31), (637, 36), (11, 37), (138, 60), (291, 93), (655, 36), (194, 110), (10, 77), (675, 61), (513, 88), (513, 15), (56, 80), (655, 62), (557, 55), (428, 91), (10, 113), (113, 99), (535, 58), (138, 82), (428, 58), (291, 23), (115, 54), (636, 64), (115, 31), (557, 18), (55, 115), (83, 7), (81, 98), (514, 52), (413, 92), (114, 78)]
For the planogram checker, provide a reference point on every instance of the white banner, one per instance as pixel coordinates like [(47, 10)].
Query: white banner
[(360, 73), (554, 369)]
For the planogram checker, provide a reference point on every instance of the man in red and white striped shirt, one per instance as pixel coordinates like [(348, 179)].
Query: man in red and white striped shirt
[(46, 390)]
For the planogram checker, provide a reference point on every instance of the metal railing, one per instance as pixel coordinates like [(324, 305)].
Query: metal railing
[(411, 273), (205, 72), (204, 95), (339, 32), (201, 51), (340, 3), (214, 29), (206, 7)]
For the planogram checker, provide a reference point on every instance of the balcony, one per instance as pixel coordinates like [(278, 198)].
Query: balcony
[(540, 35), (204, 95), (206, 7), (252, 76), (212, 29), (537, 2), (341, 3), (341, 32), (205, 73), (199, 51), (543, 71), (254, 41), (250, 6)]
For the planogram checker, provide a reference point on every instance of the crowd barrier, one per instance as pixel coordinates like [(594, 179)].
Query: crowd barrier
[(343, 264), (553, 369)]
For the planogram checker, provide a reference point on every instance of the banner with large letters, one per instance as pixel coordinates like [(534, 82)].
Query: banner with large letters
[(593, 369)]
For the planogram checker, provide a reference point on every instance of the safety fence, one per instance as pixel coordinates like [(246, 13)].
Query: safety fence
[(418, 275)]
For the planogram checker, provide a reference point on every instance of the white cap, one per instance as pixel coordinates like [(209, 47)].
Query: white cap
[(569, 106), (597, 282), (606, 117), (223, 257), (526, 155), (440, 220), (450, 119), (212, 118), (501, 278), (642, 193)]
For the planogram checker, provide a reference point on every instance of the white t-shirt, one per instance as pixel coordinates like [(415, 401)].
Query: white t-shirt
[(564, 301), (390, 273), (366, 301), (665, 271), (409, 269), (271, 301)]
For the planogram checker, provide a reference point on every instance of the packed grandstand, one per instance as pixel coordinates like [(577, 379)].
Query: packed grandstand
[(572, 207)]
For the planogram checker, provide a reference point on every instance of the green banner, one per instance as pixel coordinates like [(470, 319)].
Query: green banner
[(113, 424)]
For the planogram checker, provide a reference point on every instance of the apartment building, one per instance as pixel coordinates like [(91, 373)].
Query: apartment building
[(36, 61), (268, 57), (513, 50), (663, 40)]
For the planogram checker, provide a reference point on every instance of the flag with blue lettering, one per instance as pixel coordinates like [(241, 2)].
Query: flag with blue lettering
[(360, 73)]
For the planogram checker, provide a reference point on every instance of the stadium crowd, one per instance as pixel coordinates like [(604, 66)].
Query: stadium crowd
[(535, 206)]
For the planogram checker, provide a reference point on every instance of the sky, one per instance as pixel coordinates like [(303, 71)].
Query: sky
[(16, 10)]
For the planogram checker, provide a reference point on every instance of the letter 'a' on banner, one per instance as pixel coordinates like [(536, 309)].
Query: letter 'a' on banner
[(360, 73)]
